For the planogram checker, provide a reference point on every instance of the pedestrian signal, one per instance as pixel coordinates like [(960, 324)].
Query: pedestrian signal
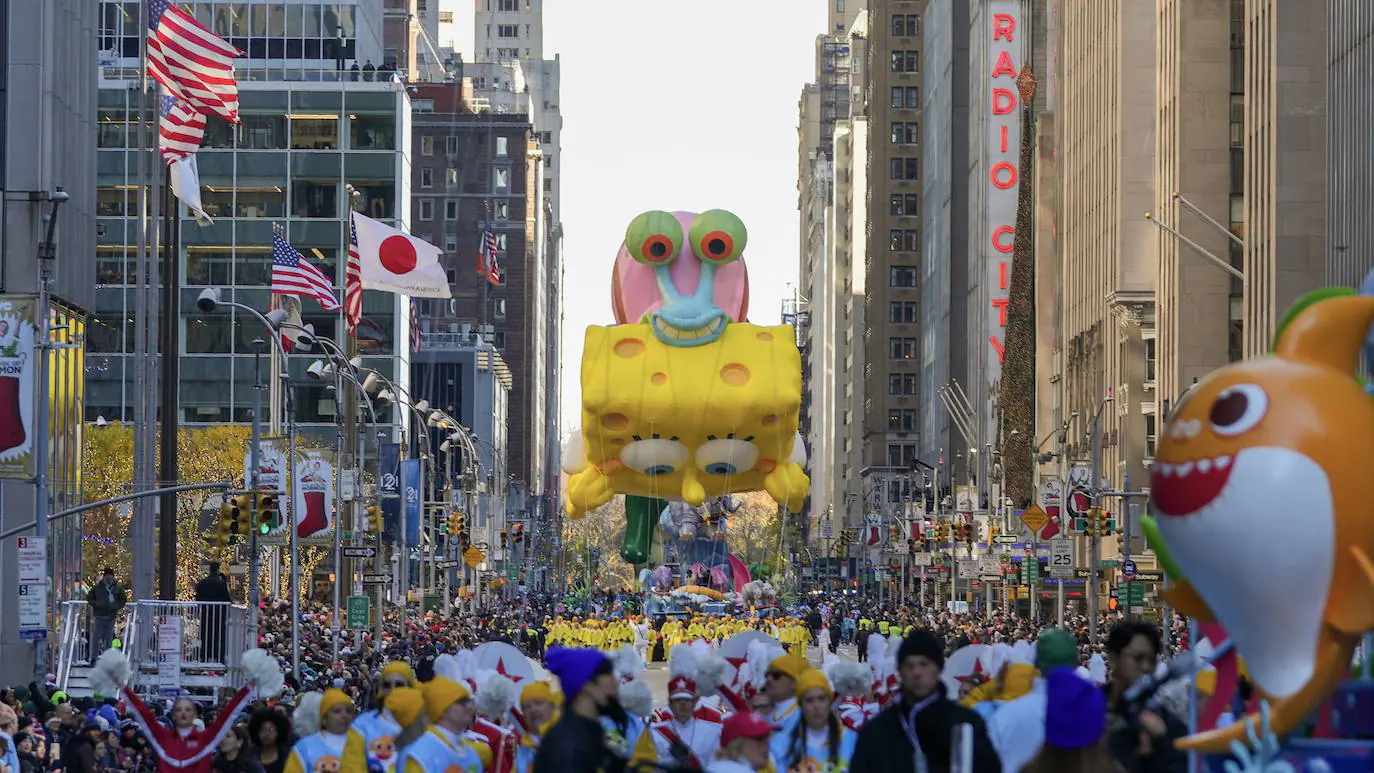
[(504, 541)]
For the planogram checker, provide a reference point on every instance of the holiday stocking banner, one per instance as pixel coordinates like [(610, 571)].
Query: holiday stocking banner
[(312, 504), (18, 371)]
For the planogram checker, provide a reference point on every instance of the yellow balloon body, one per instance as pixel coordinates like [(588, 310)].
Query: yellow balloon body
[(688, 423)]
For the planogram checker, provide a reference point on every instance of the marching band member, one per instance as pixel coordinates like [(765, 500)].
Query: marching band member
[(327, 742), (818, 742), (442, 747), (495, 699), (183, 747), (682, 739), (853, 683), (538, 711), (379, 728), (623, 734)]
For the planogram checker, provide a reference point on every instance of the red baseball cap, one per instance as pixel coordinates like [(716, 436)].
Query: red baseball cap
[(745, 724)]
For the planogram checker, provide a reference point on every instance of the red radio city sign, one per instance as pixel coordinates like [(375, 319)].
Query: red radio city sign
[(1002, 160)]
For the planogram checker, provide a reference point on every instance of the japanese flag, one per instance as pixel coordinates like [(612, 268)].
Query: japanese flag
[(397, 262)]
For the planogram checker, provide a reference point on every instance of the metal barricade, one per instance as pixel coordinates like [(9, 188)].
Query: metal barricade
[(200, 635), (75, 636)]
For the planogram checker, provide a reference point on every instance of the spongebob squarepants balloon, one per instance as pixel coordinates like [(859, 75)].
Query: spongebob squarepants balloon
[(684, 399)]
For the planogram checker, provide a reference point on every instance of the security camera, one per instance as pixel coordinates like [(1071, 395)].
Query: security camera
[(208, 300)]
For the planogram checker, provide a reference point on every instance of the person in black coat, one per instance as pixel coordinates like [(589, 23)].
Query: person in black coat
[(213, 619), (922, 722)]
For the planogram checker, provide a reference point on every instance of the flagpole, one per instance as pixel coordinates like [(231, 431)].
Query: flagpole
[(171, 376)]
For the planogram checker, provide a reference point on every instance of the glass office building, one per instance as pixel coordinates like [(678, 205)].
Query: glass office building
[(304, 153)]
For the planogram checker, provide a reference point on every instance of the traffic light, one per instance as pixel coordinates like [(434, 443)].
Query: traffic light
[(505, 543), (374, 519), (233, 519), (454, 525), (518, 535), (970, 533), (911, 545), (268, 516)]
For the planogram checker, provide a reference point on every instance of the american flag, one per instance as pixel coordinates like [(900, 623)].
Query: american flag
[(486, 258), (416, 339), (192, 63), (180, 128), (353, 280), (292, 274)]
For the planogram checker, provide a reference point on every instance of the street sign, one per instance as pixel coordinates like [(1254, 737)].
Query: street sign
[(359, 552), (359, 612), (512, 571), (377, 579), (169, 641), (472, 557), (32, 561), (1128, 570), (1061, 558), (1004, 539), (1035, 518), (989, 565), (453, 564), (1030, 572)]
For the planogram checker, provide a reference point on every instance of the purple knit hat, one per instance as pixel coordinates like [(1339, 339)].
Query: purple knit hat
[(1075, 711)]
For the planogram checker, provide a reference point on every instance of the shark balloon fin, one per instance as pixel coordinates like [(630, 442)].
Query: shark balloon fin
[(1156, 542), (1185, 600), (1356, 615)]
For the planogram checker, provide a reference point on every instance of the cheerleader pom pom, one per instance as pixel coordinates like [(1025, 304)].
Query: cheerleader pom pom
[(306, 719), (637, 699), (110, 673), (849, 678), (263, 673)]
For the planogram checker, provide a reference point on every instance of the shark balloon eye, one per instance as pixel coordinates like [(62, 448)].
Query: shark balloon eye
[(718, 236), (727, 456), (1238, 409), (655, 456), (654, 238)]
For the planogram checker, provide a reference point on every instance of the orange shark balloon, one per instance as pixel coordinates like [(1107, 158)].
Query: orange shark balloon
[(1265, 499)]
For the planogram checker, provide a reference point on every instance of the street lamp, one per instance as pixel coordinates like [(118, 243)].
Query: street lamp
[(208, 302)]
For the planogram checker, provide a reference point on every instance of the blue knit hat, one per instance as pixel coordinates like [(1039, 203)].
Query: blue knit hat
[(1076, 711), (575, 667)]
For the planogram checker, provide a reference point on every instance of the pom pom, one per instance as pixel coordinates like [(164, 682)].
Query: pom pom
[(110, 673), (637, 699), (849, 678), (1097, 669), (877, 648), (449, 668), (710, 674), (1023, 652), (496, 696), (627, 662), (306, 719), (263, 672)]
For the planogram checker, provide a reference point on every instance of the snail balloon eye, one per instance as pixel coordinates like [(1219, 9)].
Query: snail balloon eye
[(654, 238), (718, 236)]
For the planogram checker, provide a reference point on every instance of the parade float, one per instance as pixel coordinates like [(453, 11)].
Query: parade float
[(685, 402), (1263, 519)]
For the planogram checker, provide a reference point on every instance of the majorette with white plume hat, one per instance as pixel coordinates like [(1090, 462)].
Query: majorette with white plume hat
[(682, 738)]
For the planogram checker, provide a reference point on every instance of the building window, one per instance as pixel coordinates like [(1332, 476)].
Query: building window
[(906, 25), (905, 132), (904, 240), (426, 209), (839, 6), (450, 178), (451, 246), (901, 348), (901, 312), (904, 168), (421, 105), (451, 209), (502, 179), (501, 144), (913, 97), (901, 276), (894, 383), (507, 6), (451, 146), (901, 454), (508, 30), (426, 178), (426, 145), (908, 383), (906, 61), (503, 210), (1149, 360), (901, 420), (898, 96), (904, 204)]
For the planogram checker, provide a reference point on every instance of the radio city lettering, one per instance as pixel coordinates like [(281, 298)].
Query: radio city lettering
[(1004, 156)]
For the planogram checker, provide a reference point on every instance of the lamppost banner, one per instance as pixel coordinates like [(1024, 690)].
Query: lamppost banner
[(18, 375), (271, 469), (312, 504)]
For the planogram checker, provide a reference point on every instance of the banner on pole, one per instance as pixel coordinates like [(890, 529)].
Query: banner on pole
[(18, 378), (411, 482), (389, 489), (312, 495)]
